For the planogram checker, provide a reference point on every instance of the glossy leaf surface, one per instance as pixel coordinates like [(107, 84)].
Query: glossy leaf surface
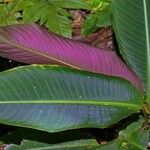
[(132, 27), (34, 44), (52, 98)]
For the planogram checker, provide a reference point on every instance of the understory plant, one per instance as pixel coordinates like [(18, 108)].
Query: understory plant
[(100, 16), (52, 14), (71, 85)]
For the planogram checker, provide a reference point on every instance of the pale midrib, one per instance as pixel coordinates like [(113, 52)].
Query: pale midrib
[(147, 48), (29, 50), (83, 102)]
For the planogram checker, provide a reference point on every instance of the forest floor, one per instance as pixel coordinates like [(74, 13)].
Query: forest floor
[(101, 38)]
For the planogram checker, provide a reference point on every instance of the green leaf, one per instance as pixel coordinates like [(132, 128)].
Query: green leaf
[(133, 137), (59, 138), (98, 4), (132, 27), (17, 135), (52, 98), (89, 24), (98, 19), (47, 13), (70, 4), (9, 13), (110, 146), (75, 145), (52, 14), (105, 17)]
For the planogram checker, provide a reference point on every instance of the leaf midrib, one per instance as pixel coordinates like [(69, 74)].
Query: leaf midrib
[(70, 102), (147, 46)]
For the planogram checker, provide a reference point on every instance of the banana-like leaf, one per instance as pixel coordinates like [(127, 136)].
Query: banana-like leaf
[(34, 44), (132, 27), (74, 145), (52, 98)]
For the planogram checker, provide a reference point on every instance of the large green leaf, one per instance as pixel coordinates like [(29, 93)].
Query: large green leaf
[(53, 98), (77, 145), (132, 27)]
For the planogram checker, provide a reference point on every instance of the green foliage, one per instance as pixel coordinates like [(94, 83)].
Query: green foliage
[(10, 13), (131, 138), (32, 139), (134, 137), (54, 98), (59, 100), (51, 13), (75, 145), (101, 16)]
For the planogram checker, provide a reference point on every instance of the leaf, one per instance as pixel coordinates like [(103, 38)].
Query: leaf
[(49, 140), (105, 17), (133, 137), (89, 24), (132, 27), (9, 13), (53, 99), (87, 143), (49, 12), (45, 12), (100, 18), (17, 135), (75, 145), (98, 4), (34, 44), (70, 4), (109, 146)]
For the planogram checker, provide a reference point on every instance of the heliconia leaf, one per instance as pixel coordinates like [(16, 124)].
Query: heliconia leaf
[(72, 145), (86, 144), (132, 27), (34, 44), (52, 98)]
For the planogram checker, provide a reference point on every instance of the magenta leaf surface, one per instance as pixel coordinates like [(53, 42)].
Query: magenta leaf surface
[(33, 44)]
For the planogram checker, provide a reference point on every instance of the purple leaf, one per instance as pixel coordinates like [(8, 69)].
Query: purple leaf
[(34, 44)]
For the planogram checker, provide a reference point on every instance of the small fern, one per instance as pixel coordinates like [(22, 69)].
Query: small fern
[(10, 12), (52, 13)]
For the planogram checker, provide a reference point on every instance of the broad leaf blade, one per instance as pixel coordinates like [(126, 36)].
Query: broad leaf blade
[(75, 145), (34, 44), (132, 26), (53, 98)]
